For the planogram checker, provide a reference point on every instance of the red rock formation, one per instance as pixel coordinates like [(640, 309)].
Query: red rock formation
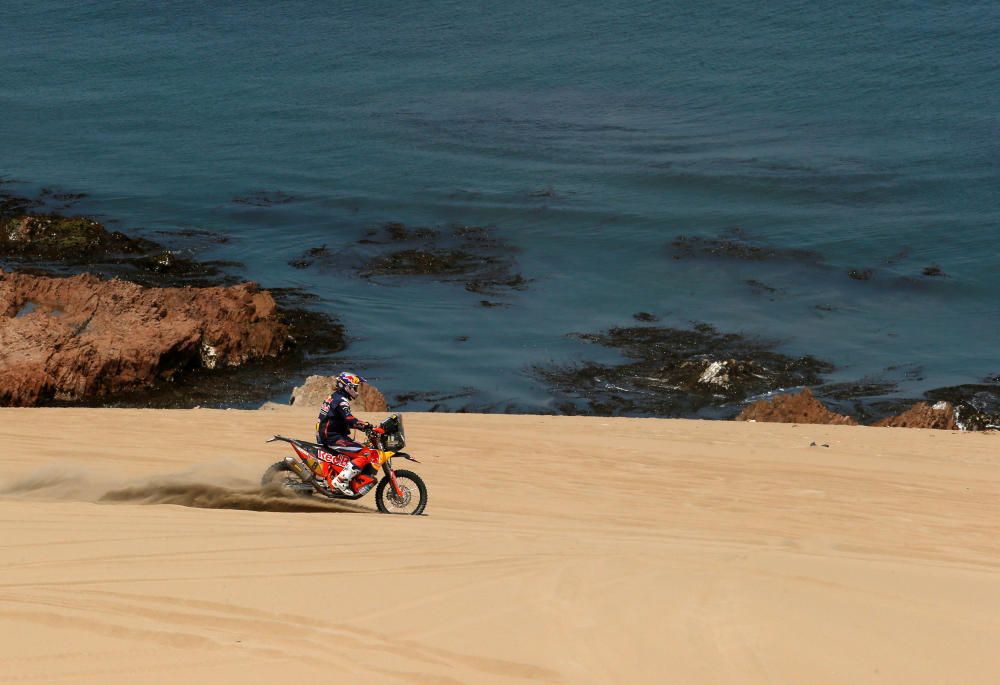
[(800, 408), (923, 415), (81, 337), (316, 388)]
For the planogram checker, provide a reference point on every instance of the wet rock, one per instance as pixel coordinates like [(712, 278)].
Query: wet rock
[(86, 338), (310, 256), (64, 242), (934, 271), (736, 244), (802, 407), (426, 263), (56, 237), (318, 388), (491, 286), (761, 288), (677, 372), (433, 397), (977, 406), (472, 255), (940, 415)]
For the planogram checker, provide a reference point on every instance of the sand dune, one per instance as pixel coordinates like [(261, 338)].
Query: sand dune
[(135, 548)]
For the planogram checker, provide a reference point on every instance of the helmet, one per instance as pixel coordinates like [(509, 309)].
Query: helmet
[(349, 383)]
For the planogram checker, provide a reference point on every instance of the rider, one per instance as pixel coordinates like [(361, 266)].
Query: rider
[(335, 424)]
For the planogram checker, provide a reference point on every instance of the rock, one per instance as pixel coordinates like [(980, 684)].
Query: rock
[(83, 242), (317, 388), (797, 408), (56, 237), (81, 338), (473, 255), (940, 415), (736, 244), (677, 372), (977, 406)]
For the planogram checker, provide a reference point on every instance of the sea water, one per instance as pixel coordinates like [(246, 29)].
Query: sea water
[(588, 134)]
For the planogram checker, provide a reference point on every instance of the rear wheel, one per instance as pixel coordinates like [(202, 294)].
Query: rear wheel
[(413, 500), (280, 475)]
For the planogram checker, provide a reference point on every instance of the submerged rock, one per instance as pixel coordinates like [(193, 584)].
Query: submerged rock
[(801, 407), (317, 388), (736, 244), (78, 338), (677, 372), (471, 255)]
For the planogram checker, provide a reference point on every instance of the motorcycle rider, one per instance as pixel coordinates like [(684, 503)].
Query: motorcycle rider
[(334, 426)]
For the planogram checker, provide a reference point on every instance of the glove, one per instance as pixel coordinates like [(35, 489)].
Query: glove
[(379, 430)]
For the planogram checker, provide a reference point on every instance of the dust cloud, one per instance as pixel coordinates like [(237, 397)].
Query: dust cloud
[(187, 489)]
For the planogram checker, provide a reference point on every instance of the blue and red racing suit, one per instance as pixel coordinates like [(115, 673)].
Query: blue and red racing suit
[(335, 425)]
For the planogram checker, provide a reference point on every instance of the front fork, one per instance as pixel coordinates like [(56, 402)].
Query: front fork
[(391, 475)]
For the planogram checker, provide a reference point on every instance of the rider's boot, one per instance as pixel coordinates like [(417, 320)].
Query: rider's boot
[(343, 479)]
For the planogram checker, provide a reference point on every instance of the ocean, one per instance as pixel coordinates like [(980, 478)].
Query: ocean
[(587, 136)]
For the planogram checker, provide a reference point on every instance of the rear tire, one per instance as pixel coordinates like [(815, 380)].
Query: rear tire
[(387, 501), (280, 475)]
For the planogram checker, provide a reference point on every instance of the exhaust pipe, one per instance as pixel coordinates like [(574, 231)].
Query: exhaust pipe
[(300, 469)]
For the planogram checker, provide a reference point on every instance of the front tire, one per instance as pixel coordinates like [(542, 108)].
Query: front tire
[(414, 499)]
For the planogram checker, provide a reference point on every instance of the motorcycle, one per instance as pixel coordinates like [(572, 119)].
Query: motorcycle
[(307, 473)]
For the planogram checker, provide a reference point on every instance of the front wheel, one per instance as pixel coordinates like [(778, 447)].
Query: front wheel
[(414, 498)]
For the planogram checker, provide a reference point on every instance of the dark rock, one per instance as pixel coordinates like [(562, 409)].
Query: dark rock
[(469, 254), (264, 198), (977, 406), (760, 287), (933, 270), (735, 244), (432, 396), (490, 287), (426, 262), (645, 317), (675, 372), (310, 256), (67, 243), (68, 239)]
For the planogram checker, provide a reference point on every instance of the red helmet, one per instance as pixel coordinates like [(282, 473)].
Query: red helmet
[(349, 383)]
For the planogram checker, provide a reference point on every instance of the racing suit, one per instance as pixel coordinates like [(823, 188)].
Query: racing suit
[(333, 428)]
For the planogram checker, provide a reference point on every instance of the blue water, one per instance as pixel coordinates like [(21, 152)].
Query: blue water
[(590, 134)]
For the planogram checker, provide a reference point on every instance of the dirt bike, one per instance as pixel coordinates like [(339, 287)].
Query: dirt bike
[(309, 471)]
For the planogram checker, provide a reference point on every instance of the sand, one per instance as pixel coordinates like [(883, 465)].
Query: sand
[(624, 551)]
